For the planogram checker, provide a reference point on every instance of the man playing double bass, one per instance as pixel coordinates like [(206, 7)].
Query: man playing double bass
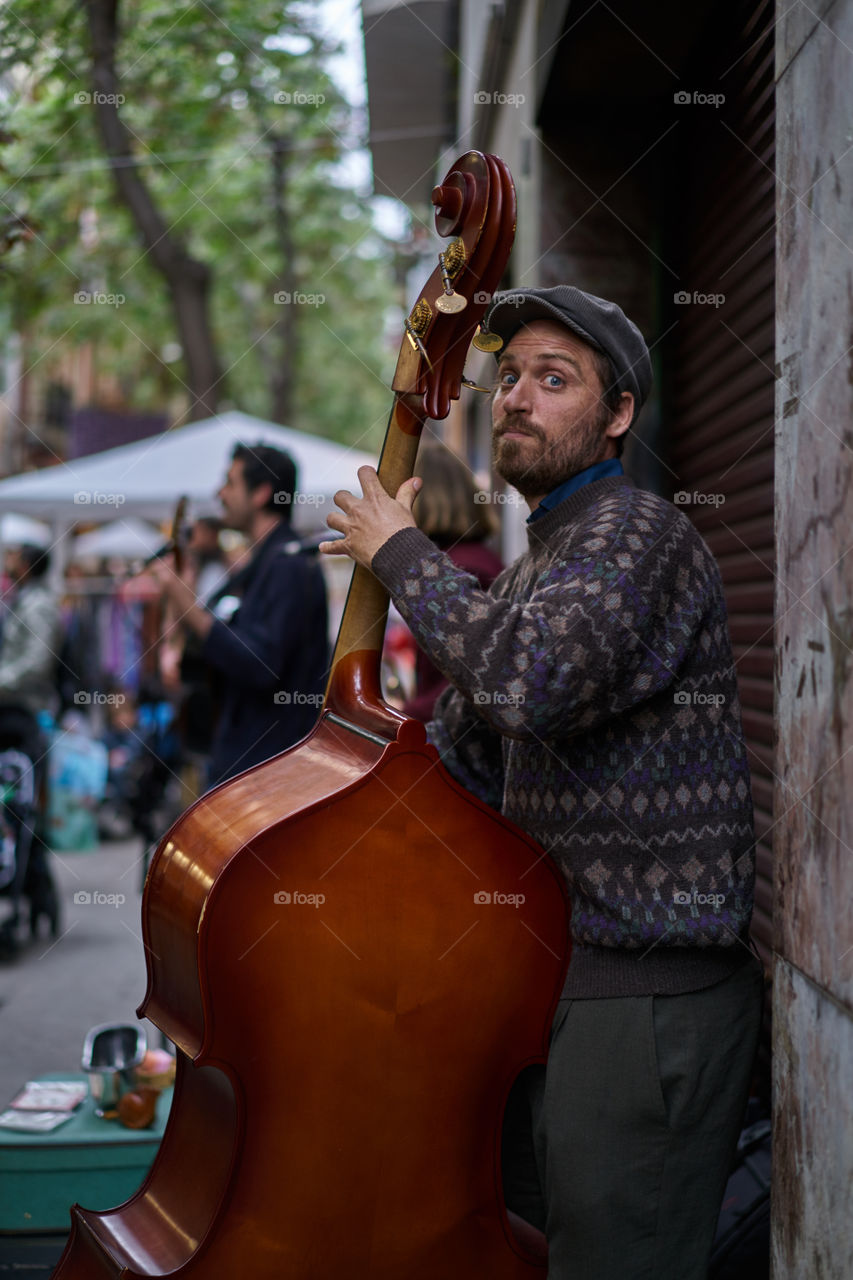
[(594, 702)]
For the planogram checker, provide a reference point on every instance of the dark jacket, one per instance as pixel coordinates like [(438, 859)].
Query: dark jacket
[(269, 646)]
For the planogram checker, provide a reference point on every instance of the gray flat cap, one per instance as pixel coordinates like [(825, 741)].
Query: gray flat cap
[(600, 323)]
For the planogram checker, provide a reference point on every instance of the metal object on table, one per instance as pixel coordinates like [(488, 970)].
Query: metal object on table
[(111, 1053)]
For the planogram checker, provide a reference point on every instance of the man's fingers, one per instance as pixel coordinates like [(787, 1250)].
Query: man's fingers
[(334, 548), (338, 522), (408, 491), (343, 499), (369, 480)]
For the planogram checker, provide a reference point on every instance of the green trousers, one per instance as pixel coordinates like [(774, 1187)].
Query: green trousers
[(621, 1147)]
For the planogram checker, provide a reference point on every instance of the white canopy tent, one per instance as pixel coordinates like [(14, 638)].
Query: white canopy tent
[(16, 529), (146, 478), (130, 539)]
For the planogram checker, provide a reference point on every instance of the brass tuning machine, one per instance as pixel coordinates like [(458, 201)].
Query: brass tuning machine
[(483, 340), (416, 326), (450, 263)]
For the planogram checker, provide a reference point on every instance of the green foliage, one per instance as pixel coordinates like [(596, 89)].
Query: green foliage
[(209, 89)]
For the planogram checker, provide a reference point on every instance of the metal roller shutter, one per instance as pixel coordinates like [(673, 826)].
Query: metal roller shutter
[(721, 389)]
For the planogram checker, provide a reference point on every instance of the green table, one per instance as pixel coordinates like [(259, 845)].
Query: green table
[(88, 1161)]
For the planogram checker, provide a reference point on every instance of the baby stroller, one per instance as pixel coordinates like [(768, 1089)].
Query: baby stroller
[(24, 869)]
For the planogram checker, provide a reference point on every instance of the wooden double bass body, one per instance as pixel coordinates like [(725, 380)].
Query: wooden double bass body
[(353, 956)]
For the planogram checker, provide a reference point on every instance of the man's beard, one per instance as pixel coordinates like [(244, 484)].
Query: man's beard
[(535, 473)]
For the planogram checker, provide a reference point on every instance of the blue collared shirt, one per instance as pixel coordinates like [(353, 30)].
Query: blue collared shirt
[(598, 470)]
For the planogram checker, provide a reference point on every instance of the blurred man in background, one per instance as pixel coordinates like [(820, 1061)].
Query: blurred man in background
[(263, 634)]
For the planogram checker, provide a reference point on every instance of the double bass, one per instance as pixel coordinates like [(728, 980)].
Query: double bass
[(353, 956)]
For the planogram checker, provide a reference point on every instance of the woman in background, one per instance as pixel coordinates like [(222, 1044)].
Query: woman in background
[(457, 516)]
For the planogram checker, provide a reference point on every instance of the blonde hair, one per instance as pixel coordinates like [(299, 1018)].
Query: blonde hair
[(446, 507)]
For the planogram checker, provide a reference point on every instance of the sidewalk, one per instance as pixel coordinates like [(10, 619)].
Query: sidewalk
[(94, 972)]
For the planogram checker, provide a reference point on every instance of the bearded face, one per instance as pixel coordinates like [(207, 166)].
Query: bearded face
[(548, 419), (534, 465)]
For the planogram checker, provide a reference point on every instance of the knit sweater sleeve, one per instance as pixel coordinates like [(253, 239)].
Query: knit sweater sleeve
[(602, 623), (470, 749)]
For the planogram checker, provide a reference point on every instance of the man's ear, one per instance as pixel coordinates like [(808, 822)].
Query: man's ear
[(261, 496), (621, 420)]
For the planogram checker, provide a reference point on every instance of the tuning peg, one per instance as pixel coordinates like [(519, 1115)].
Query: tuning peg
[(483, 340), (450, 263)]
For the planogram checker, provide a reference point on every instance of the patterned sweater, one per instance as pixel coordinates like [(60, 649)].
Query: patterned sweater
[(595, 704)]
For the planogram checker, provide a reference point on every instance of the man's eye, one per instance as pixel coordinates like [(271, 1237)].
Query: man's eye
[(553, 380)]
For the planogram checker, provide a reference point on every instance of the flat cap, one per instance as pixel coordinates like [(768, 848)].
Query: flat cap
[(600, 323)]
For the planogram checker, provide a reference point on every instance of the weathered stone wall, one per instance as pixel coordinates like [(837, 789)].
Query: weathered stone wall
[(813, 913)]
